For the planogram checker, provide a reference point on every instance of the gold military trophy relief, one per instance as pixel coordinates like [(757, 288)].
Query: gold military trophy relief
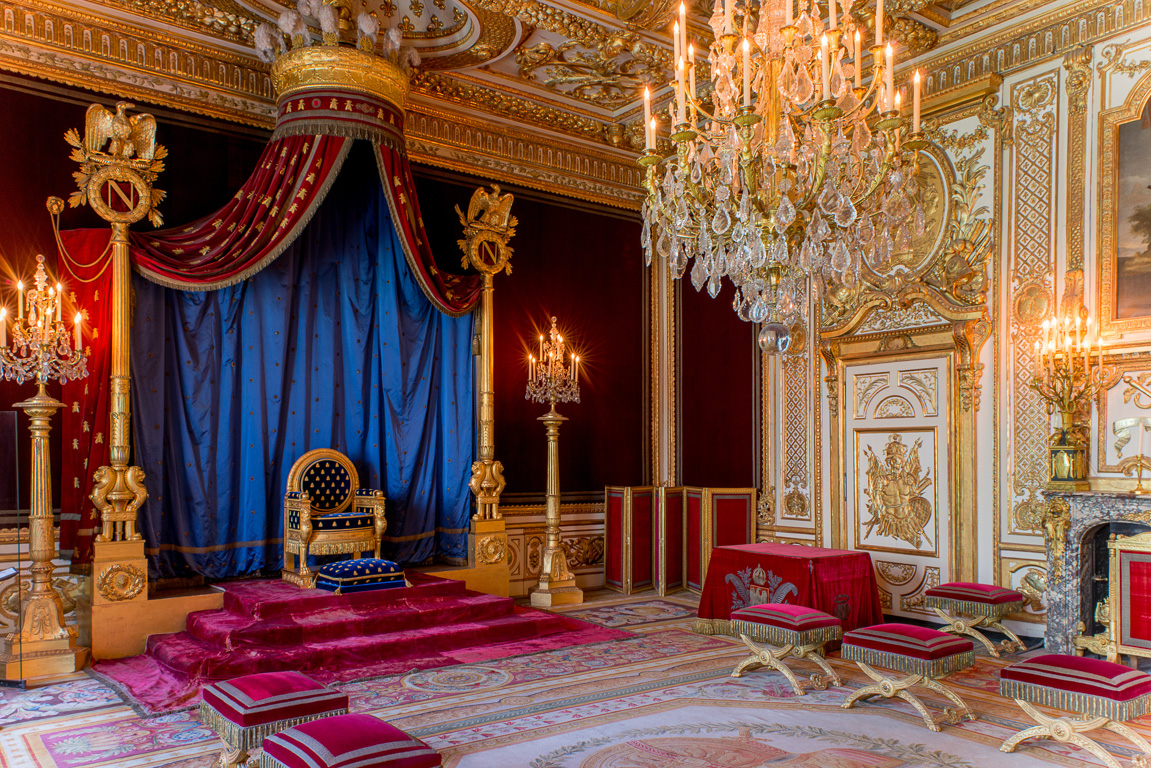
[(895, 489)]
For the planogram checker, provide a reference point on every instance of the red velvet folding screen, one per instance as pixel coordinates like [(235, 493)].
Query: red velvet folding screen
[(663, 537)]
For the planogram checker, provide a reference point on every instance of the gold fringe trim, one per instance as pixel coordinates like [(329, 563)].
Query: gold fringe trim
[(766, 633), (712, 627), (272, 255), (909, 665), (239, 737), (990, 610), (1082, 703), (321, 126)]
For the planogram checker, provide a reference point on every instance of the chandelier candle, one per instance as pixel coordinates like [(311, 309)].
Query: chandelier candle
[(788, 181)]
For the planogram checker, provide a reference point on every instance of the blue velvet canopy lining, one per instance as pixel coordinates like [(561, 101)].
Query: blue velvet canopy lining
[(332, 345)]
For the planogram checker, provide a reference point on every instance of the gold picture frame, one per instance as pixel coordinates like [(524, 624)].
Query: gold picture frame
[(1124, 154)]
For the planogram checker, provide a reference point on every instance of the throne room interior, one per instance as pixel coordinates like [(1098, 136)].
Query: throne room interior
[(557, 383)]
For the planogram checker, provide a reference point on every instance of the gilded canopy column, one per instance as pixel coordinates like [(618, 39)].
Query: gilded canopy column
[(488, 226), (119, 160)]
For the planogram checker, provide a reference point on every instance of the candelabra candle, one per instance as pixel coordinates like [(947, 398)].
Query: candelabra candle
[(41, 347), (556, 381)]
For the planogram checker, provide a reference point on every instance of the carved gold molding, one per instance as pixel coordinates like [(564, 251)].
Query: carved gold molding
[(1031, 273), (1077, 63)]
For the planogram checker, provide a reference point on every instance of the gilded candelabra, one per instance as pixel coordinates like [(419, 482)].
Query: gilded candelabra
[(1069, 374), (44, 348), (793, 171), (552, 380)]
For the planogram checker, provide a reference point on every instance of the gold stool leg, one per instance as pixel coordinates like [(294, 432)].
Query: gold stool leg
[(233, 758), (1125, 731), (766, 656), (814, 654), (888, 688), (950, 716), (964, 627), (1013, 643), (1066, 730)]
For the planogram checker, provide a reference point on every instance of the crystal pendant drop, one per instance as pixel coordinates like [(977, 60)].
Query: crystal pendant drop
[(829, 199), (866, 230), (663, 245), (758, 311), (920, 223), (696, 172), (836, 81), (860, 137), (698, 274), (803, 87), (758, 253), (779, 250), (744, 206), (785, 214), (721, 222), (787, 77), (785, 145), (846, 214), (713, 286), (840, 258)]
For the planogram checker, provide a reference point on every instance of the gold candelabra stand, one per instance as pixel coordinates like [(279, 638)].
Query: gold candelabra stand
[(551, 380), (42, 348), (1069, 374)]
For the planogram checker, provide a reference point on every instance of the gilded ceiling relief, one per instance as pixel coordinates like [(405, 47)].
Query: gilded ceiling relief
[(608, 73)]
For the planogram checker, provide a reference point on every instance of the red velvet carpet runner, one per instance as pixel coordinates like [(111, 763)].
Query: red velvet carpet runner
[(266, 626)]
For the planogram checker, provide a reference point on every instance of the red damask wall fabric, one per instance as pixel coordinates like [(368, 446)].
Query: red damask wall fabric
[(85, 269)]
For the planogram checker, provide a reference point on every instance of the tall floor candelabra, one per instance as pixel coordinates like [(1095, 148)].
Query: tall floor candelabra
[(551, 380), (42, 348)]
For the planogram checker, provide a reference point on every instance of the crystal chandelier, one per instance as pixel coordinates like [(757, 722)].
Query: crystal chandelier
[(799, 168)]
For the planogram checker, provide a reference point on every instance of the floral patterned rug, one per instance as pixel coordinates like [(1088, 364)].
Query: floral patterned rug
[(661, 699)]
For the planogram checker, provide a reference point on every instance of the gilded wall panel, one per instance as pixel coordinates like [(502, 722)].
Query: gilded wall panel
[(1031, 286)]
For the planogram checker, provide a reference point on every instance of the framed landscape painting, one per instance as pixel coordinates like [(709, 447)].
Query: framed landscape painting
[(1125, 215)]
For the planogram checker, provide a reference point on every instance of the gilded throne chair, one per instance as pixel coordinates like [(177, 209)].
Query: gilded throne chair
[(327, 513)]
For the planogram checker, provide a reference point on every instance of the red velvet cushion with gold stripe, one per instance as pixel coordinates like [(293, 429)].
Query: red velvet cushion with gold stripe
[(970, 592), (271, 696), (908, 640), (347, 741), (1079, 674), (794, 617)]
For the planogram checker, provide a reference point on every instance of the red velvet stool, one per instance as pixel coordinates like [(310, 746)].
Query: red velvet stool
[(921, 654), (791, 630), (347, 741), (1102, 693), (244, 710), (983, 605)]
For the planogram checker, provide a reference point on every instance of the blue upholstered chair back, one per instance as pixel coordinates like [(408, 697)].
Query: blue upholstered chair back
[(328, 477)]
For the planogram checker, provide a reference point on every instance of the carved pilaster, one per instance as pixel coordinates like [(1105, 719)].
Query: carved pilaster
[(1078, 84)]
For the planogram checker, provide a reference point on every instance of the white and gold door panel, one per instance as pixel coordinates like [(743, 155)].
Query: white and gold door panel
[(897, 453)]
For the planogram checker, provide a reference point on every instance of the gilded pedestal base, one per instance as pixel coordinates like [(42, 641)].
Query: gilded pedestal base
[(556, 591), (41, 658)]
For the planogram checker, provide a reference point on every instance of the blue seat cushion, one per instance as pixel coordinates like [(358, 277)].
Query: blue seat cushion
[(341, 521), (361, 575)]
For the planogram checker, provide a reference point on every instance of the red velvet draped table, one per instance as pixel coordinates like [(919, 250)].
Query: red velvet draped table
[(835, 581)]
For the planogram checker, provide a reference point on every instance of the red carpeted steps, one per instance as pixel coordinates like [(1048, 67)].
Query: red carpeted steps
[(267, 626)]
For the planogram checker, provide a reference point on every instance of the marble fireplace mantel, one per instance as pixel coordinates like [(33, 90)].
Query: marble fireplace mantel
[(1071, 516)]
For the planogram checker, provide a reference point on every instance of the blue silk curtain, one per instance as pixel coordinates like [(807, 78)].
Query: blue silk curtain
[(333, 345)]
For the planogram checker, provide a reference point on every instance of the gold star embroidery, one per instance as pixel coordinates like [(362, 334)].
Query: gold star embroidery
[(204, 251)]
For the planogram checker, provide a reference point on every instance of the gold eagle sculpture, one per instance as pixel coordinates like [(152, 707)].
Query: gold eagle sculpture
[(126, 138)]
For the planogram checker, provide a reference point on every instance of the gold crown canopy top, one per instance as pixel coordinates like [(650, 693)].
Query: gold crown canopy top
[(338, 90), (302, 71)]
